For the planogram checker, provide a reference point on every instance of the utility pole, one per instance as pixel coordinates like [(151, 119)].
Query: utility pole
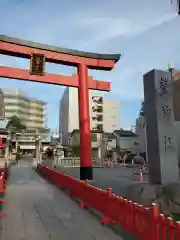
[(177, 6)]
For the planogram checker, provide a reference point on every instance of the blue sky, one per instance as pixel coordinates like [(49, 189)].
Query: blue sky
[(146, 33)]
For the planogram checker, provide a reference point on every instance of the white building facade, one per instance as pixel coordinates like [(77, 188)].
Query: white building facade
[(104, 113), (31, 112)]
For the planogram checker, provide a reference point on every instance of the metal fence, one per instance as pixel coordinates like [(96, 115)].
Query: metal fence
[(71, 161), (2, 190)]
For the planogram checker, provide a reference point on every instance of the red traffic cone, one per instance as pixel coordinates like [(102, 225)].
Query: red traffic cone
[(140, 178)]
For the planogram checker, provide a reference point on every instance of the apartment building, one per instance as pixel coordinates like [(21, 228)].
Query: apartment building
[(31, 112), (104, 113)]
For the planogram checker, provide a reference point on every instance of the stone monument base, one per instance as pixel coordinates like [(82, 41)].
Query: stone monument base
[(167, 197)]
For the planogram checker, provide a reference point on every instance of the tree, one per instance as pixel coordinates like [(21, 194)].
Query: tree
[(76, 150), (15, 123), (75, 143), (142, 109)]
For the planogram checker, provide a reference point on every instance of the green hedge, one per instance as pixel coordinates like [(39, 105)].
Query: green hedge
[(76, 138)]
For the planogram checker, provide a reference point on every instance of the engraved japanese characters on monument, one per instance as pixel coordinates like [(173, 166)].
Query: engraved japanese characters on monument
[(160, 130), (164, 91), (168, 144), (163, 86)]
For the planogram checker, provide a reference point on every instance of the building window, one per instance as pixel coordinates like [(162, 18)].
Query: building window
[(100, 118), (97, 99), (100, 109), (100, 127)]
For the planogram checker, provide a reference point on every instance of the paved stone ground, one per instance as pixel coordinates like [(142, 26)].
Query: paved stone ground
[(36, 210)]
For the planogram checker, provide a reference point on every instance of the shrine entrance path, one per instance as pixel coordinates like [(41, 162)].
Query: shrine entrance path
[(35, 209)]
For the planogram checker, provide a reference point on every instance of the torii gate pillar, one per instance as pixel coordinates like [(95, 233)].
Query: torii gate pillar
[(84, 124)]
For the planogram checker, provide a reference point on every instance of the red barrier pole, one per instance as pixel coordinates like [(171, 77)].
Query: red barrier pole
[(136, 219), (142, 222), (3, 176), (133, 218), (147, 224), (86, 171), (126, 214), (82, 203), (171, 228), (109, 191), (162, 225), (1, 183), (106, 220), (121, 216), (131, 215), (177, 230), (154, 221)]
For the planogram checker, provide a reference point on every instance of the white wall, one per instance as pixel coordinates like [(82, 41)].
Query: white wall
[(110, 115), (73, 109), (64, 116), (128, 143), (111, 143)]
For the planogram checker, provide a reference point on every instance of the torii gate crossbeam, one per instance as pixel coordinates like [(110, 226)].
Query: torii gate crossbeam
[(82, 60)]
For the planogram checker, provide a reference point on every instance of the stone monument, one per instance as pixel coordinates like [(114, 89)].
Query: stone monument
[(163, 185), (160, 128)]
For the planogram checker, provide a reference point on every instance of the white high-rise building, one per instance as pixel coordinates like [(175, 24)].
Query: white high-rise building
[(104, 113), (31, 112)]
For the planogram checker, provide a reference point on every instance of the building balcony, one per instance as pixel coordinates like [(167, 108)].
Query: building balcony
[(94, 107), (98, 109), (98, 127), (97, 118), (97, 99)]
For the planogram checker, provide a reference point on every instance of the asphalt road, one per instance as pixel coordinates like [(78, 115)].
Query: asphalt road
[(119, 179)]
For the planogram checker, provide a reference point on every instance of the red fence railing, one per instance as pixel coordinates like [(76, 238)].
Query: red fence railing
[(138, 220), (2, 190)]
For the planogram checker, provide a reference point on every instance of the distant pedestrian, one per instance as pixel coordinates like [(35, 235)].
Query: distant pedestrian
[(18, 156)]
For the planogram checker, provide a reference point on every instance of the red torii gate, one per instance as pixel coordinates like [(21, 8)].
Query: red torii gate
[(41, 53)]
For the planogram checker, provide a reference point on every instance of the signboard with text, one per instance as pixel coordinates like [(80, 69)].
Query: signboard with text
[(37, 64)]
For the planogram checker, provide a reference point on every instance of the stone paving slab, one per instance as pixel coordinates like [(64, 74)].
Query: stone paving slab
[(37, 210)]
